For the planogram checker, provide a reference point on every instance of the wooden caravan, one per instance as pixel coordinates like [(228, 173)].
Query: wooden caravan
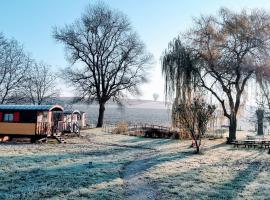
[(36, 121), (83, 120), (80, 117), (73, 120)]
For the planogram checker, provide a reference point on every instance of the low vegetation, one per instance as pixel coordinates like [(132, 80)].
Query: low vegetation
[(91, 168), (121, 128)]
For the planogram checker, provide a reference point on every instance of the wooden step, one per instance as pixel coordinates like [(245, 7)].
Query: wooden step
[(60, 139)]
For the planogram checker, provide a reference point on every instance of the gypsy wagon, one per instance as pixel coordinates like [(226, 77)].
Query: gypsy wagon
[(79, 117), (34, 121), (73, 120)]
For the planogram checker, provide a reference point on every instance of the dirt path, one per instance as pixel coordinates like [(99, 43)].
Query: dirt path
[(136, 186)]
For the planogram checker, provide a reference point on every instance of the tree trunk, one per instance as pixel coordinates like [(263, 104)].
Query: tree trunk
[(197, 142), (101, 114), (260, 115), (198, 149), (197, 146), (232, 127)]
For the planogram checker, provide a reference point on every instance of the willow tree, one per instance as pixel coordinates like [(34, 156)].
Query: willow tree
[(232, 47), (180, 72), (108, 58)]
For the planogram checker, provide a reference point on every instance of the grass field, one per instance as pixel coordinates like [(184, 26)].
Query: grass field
[(91, 167)]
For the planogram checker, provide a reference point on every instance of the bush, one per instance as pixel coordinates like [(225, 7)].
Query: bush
[(183, 134), (121, 128)]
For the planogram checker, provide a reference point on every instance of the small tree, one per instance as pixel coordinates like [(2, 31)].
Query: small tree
[(194, 117), (111, 59), (155, 96), (14, 64), (40, 85)]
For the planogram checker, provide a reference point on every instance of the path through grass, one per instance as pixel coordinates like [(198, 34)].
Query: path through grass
[(173, 171)]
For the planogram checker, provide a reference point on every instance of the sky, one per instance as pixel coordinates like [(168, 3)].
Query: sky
[(156, 21)]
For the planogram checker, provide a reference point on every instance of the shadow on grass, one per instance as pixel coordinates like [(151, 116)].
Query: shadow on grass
[(148, 162), (63, 178), (134, 139), (48, 183), (146, 141), (47, 158), (161, 158), (199, 187), (232, 188), (52, 175), (40, 181), (215, 146)]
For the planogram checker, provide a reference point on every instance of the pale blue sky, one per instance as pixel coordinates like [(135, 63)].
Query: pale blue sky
[(156, 21)]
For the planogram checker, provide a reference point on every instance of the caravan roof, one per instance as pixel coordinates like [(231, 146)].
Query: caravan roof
[(32, 107)]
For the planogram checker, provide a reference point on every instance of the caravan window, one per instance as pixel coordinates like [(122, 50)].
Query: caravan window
[(8, 117)]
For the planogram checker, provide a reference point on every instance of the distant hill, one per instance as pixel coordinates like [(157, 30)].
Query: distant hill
[(131, 103)]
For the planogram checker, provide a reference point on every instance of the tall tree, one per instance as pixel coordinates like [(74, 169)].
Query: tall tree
[(179, 70), (181, 73), (108, 57), (14, 63), (263, 91), (232, 47), (40, 85), (263, 98)]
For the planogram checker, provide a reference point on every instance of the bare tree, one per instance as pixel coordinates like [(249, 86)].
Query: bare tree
[(107, 56), (194, 117), (263, 91), (40, 84), (263, 99), (232, 48), (14, 64)]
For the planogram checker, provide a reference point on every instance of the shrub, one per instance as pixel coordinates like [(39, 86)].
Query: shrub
[(120, 128), (184, 134)]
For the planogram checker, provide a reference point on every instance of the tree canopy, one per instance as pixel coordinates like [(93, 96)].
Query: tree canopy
[(14, 64), (108, 58), (40, 85), (230, 49)]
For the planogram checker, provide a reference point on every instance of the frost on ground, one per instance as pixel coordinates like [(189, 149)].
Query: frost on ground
[(172, 171), (135, 184)]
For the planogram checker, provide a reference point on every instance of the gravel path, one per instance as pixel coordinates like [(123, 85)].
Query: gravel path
[(136, 186)]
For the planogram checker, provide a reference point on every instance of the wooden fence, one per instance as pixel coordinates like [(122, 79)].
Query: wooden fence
[(152, 130)]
